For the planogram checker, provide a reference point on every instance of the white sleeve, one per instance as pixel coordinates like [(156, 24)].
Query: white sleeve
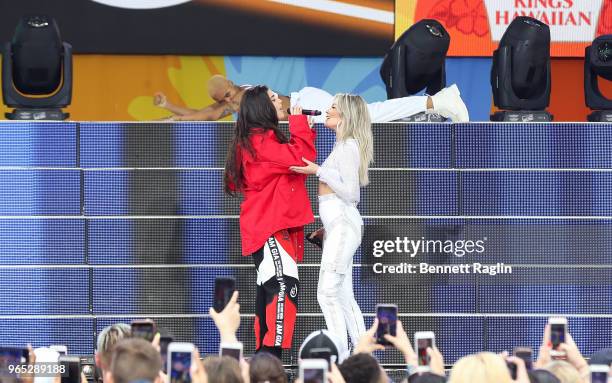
[(344, 181)]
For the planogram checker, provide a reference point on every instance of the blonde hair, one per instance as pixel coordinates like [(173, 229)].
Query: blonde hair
[(481, 367), (356, 124), (564, 371)]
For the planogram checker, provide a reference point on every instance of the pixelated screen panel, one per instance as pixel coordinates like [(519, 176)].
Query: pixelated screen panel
[(136, 224)]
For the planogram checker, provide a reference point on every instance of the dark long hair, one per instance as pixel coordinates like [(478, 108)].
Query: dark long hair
[(256, 111)]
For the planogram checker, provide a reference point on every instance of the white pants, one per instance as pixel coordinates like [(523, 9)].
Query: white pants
[(343, 230), (384, 111)]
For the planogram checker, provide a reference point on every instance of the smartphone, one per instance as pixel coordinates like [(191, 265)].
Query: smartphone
[(11, 357), (179, 362), (513, 369), (423, 340), (224, 289), (144, 328), (233, 349), (558, 329), (387, 322), (323, 353), (316, 240), (72, 368), (599, 373), (313, 370), (60, 348), (164, 341), (525, 353)]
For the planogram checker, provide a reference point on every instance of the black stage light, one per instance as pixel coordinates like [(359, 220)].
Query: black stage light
[(37, 71), (598, 63), (520, 76), (416, 61)]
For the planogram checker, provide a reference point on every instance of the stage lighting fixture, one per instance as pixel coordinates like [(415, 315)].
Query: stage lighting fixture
[(37, 71), (520, 76), (415, 62), (598, 63)]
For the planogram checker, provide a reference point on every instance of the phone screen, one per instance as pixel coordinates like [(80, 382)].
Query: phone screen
[(314, 375), (599, 377), (233, 352), (422, 345), (224, 288), (526, 356), (145, 331), (557, 334), (387, 323), (180, 367)]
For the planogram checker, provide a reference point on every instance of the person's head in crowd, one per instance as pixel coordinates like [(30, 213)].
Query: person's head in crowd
[(260, 108), (223, 370), (323, 339), (427, 377), (362, 368), (45, 355), (265, 367), (107, 339), (603, 356), (133, 360), (542, 376), (481, 367), (564, 371), (221, 89), (350, 118)]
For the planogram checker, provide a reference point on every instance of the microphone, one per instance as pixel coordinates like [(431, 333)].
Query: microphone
[(308, 112)]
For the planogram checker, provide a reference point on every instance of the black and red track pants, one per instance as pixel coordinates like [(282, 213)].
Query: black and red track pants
[(277, 291)]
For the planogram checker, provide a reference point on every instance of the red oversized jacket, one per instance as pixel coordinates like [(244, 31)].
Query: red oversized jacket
[(275, 198)]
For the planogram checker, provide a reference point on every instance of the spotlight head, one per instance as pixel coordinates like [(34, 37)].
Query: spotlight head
[(37, 70), (416, 60), (520, 76), (600, 56), (598, 63)]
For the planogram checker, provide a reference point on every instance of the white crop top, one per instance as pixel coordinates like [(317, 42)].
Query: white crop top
[(340, 170)]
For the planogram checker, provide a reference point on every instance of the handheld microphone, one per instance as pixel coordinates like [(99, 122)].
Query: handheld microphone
[(308, 112)]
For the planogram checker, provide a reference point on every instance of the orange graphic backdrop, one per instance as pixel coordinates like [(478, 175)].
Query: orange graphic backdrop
[(468, 23)]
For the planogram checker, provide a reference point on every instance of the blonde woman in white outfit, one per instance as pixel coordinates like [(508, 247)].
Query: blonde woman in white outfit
[(340, 177)]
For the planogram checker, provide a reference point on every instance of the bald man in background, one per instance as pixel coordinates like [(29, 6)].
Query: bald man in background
[(447, 103)]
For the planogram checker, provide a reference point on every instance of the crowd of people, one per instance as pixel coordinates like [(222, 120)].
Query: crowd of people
[(126, 359)]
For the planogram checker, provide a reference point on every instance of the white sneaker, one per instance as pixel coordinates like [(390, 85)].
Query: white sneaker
[(448, 103)]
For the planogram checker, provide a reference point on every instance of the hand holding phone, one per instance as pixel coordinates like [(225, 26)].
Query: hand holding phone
[(179, 362), (558, 331), (387, 322), (422, 341), (316, 237), (313, 370), (233, 349), (224, 288)]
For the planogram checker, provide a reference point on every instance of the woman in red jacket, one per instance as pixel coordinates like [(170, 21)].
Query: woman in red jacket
[(274, 210)]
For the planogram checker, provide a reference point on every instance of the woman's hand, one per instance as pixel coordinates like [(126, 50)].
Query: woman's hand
[(295, 110), (310, 168)]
